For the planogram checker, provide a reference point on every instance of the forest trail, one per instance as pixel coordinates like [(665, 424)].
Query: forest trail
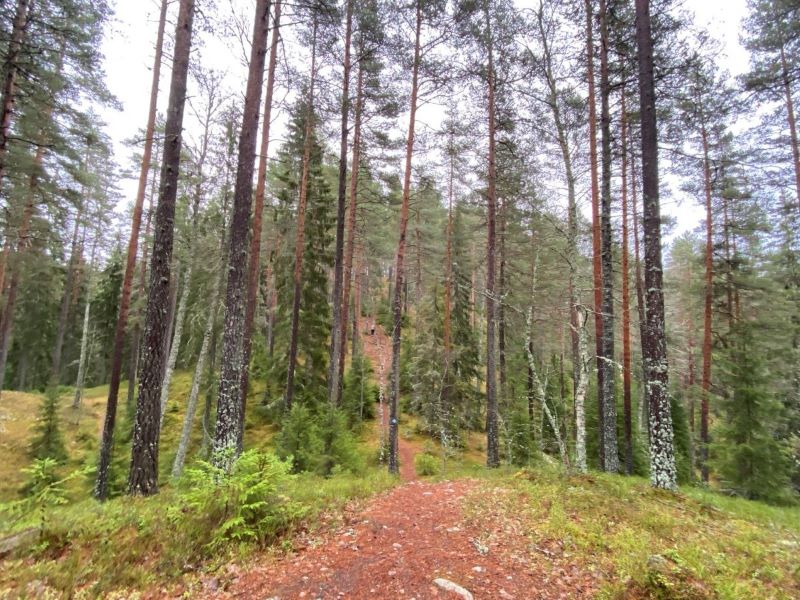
[(377, 347), (403, 541)]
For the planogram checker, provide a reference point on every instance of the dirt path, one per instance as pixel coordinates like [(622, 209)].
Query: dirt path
[(377, 346), (402, 542)]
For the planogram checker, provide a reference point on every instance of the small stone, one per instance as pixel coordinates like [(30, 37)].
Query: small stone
[(505, 595), (478, 569), (449, 586), (397, 546), (658, 563)]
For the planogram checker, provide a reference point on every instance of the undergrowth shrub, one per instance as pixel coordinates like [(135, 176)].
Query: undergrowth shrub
[(426, 464), (246, 505)]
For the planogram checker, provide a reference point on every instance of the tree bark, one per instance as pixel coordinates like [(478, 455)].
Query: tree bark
[(143, 476), (63, 315), (492, 433), (106, 444), (228, 437), (792, 123), (258, 209), (708, 298), (299, 244), (626, 304), (397, 302), (19, 32), (578, 336), (81, 379), (640, 307), (609, 406), (351, 224), (654, 347), (339, 320), (597, 272)]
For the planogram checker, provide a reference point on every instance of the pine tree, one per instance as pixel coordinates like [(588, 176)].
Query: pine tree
[(748, 458)]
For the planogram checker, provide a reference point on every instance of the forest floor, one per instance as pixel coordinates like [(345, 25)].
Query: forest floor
[(405, 540)]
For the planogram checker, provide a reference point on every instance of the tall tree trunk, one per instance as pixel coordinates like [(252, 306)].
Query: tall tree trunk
[(63, 315), (258, 209), (174, 348), (81, 379), (347, 275), (640, 307), (492, 433), (135, 353), (339, 324), (626, 303), (578, 336), (143, 476), (230, 406), (654, 347), (501, 308), (106, 444), (299, 243), (19, 33), (597, 271), (792, 122), (23, 242), (609, 406), (707, 310), (397, 306)]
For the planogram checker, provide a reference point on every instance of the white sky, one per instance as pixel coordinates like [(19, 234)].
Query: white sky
[(128, 48)]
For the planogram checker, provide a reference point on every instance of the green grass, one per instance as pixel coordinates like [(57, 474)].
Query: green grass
[(712, 546)]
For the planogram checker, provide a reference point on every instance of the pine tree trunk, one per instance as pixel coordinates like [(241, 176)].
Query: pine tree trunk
[(399, 278), (707, 311), (299, 244), (626, 304), (136, 336), (578, 336), (492, 433), (258, 208), (792, 123), (19, 34), (609, 407), (143, 476), (339, 321), (640, 307), (81, 379), (230, 406), (23, 241), (63, 315), (597, 271), (106, 444), (174, 348), (351, 226), (501, 309), (654, 347)]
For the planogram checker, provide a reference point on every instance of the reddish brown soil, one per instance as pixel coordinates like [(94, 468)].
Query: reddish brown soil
[(402, 542), (406, 538)]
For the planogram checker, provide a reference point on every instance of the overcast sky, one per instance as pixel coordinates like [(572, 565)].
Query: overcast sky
[(128, 48)]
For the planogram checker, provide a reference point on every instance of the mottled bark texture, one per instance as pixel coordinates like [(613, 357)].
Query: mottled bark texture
[(107, 440), (663, 473), (143, 476), (230, 408)]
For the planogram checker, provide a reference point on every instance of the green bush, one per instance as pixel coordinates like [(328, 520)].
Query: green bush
[(299, 439), (426, 465), (246, 505)]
